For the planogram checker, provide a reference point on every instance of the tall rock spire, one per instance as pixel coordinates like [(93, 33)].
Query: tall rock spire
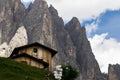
[(88, 65), (63, 43), (38, 22)]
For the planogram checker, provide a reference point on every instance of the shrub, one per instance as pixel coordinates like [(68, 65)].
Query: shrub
[(69, 72)]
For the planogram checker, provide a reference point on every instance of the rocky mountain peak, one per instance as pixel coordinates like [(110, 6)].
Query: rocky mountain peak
[(39, 4), (53, 11), (73, 25), (38, 22), (75, 20), (84, 56)]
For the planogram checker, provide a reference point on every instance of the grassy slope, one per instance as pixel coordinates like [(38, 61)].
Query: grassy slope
[(11, 70)]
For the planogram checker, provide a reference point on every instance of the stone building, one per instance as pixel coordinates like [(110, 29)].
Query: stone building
[(34, 54)]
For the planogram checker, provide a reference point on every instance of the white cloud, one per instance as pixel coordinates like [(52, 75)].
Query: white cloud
[(83, 9), (106, 51)]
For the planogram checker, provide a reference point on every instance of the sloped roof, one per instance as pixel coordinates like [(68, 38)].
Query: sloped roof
[(15, 51)]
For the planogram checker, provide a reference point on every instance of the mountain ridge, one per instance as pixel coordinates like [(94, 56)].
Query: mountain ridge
[(42, 24)]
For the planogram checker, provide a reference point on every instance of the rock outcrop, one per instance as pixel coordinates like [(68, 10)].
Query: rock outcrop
[(19, 39), (42, 24), (87, 63), (62, 40), (38, 23), (114, 72)]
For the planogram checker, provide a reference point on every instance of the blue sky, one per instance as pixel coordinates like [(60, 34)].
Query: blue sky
[(109, 22), (101, 19), (26, 4)]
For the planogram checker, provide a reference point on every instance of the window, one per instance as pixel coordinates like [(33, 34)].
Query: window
[(35, 50), (3, 48)]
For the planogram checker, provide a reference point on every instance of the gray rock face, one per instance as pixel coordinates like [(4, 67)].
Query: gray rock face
[(38, 23), (11, 15), (87, 63), (62, 40), (44, 25), (114, 72)]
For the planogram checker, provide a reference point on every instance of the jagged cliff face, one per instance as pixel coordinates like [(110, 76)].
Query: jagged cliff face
[(85, 58), (11, 14), (42, 24), (62, 39), (38, 23)]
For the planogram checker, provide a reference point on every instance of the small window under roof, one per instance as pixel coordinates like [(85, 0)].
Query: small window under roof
[(35, 50)]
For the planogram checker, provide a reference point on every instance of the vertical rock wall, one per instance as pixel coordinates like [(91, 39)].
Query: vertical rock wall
[(114, 72), (40, 23), (11, 15)]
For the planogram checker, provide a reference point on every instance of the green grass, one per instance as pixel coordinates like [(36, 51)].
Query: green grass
[(12, 70)]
